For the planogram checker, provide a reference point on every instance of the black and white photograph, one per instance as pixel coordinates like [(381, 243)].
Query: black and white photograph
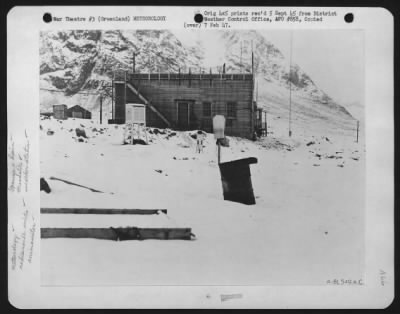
[(200, 157), (174, 157)]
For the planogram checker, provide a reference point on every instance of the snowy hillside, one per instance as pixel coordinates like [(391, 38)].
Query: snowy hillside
[(305, 227), (277, 86), (83, 61)]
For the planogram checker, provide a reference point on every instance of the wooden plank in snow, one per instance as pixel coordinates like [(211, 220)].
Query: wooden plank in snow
[(102, 211), (119, 234)]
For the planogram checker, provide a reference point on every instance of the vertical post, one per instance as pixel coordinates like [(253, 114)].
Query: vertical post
[(124, 108), (179, 76), (101, 108), (219, 152), (112, 99), (358, 125), (290, 86), (252, 92), (266, 125)]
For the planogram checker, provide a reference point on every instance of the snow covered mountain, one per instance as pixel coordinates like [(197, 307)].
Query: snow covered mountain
[(76, 61), (83, 61)]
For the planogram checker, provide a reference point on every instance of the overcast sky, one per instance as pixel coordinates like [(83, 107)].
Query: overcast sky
[(334, 59)]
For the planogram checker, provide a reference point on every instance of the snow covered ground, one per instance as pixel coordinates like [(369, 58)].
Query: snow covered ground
[(306, 228)]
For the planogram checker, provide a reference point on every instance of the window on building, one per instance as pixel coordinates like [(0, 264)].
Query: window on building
[(206, 109), (231, 110)]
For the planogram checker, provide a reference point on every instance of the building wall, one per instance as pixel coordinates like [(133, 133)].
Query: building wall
[(164, 95), (85, 114), (60, 112)]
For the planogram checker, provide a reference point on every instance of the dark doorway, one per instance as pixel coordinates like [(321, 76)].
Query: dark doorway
[(183, 115)]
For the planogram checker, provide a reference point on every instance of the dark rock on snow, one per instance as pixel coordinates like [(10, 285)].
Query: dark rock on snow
[(44, 186), (80, 132)]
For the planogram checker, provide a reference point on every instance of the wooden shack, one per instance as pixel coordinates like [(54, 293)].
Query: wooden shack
[(60, 112), (79, 112), (188, 101)]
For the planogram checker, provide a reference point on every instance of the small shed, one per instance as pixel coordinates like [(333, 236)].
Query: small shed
[(79, 112), (60, 112)]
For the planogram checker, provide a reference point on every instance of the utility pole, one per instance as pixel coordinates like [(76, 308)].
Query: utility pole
[(112, 99), (252, 92), (290, 86)]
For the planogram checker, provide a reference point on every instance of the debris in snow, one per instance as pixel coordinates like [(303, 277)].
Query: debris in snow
[(81, 140), (158, 170), (310, 143), (340, 165), (274, 144), (139, 142), (333, 156), (327, 139), (354, 158), (72, 183), (80, 132), (50, 132), (157, 131), (316, 165), (44, 186), (41, 128), (318, 155)]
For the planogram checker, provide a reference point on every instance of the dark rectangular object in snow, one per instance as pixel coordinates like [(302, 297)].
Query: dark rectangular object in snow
[(102, 211), (236, 180), (119, 234)]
